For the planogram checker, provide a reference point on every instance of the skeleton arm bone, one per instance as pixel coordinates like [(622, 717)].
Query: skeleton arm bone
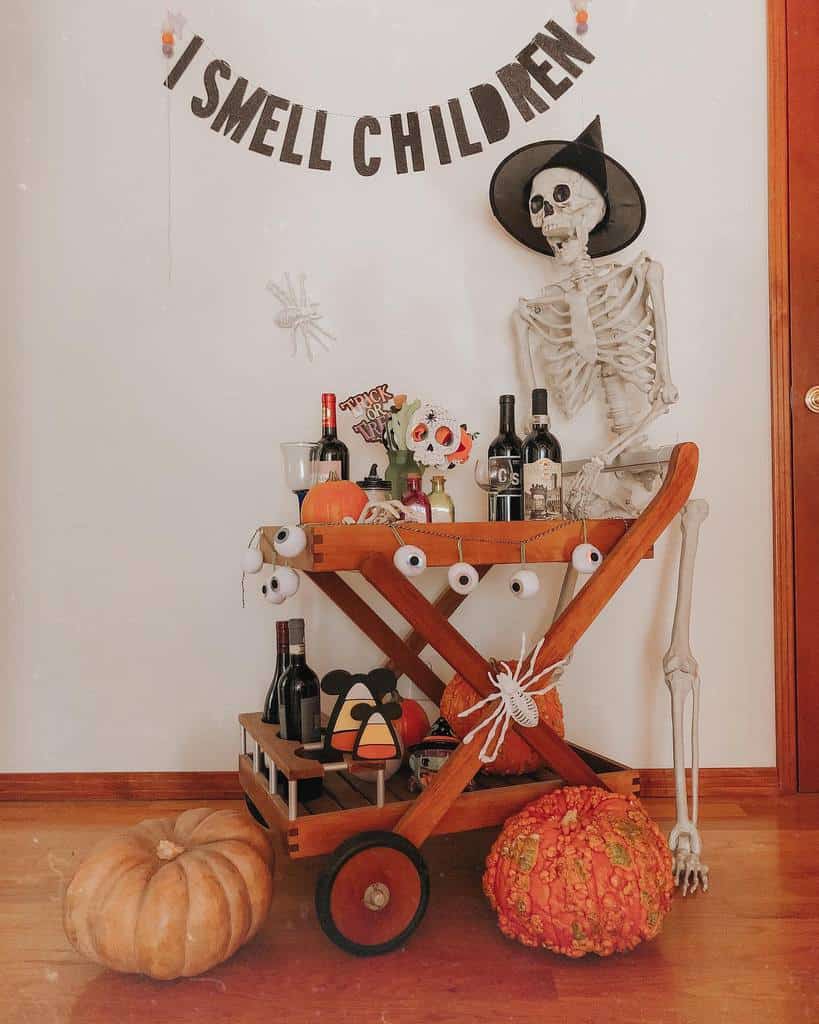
[(523, 341), (664, 384)]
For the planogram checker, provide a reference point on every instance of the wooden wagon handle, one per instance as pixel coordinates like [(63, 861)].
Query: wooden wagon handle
[(584, 608)]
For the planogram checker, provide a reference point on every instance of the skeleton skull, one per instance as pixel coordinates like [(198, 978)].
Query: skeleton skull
[(566, 207), (433, 435)]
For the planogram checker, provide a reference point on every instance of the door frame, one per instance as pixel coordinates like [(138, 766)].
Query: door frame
[(784, 593)]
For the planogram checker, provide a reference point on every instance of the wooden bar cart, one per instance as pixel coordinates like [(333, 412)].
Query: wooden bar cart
[(374, 891)]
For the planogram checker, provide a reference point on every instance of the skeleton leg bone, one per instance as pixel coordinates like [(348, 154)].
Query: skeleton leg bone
[(682, 678)]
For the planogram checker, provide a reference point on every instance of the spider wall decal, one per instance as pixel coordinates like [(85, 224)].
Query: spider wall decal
[(516, 700), (300, 316)]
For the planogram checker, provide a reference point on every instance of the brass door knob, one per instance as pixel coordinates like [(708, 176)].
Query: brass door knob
[(812, 398)]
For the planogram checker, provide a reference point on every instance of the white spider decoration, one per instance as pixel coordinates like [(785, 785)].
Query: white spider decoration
[(299, 315), (516, 701)]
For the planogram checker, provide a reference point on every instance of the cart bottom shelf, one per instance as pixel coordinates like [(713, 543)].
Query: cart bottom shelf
[(347, 803)]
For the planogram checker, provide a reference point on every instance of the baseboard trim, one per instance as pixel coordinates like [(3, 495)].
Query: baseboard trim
[(33, 786), (722, 782), (30, 786)]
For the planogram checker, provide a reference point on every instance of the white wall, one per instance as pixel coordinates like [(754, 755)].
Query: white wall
[(143, 417)]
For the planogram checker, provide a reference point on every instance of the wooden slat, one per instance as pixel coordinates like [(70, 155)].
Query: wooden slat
[(368, 789), (338, 786), (339, 548), (322, 833), (405, 661), (283, 752)]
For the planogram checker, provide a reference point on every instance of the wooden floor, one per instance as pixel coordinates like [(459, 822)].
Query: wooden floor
[(748, 951)]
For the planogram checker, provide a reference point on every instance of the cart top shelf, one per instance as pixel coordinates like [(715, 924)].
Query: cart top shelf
[(344, 548)]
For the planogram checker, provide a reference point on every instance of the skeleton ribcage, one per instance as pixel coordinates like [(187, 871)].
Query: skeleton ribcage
[(619, 314)]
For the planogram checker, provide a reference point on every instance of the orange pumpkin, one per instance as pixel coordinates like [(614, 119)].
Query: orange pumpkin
[(515, 757), (332, 501), (579, 871), (172, 898)]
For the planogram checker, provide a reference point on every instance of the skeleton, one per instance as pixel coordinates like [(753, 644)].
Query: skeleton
[(607, 321), (603, 321), (299, 315)]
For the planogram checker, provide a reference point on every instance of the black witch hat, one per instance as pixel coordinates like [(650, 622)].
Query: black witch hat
[(625, 205)]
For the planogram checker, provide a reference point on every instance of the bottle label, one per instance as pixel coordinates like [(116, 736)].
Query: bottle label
[(504, 474), (324, 468), (297, 648), (542, 490), (441, 514), (310, 717), (328, 411)]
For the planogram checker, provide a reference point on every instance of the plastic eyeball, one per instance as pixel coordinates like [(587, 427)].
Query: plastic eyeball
[(524, 583), (252, 561), (284, 581), (272, 594), (463, 577), (586, 558), (409, 560), (290, 541)]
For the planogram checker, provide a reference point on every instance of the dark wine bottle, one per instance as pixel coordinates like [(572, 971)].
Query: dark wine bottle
[(270, 711), (331, 455), (299, 693), (506, 496), (542, 465)]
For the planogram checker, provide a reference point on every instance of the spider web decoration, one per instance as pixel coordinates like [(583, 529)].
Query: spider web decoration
[(300, 316)]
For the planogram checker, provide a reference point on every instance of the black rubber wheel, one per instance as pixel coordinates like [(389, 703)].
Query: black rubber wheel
[(373, 894), (255, 812)]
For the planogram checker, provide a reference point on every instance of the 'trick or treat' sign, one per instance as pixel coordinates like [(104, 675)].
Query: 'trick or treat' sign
[(273, 126)]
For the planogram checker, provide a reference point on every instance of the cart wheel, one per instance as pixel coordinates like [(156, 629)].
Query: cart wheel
[(373, 894), (255, 812)]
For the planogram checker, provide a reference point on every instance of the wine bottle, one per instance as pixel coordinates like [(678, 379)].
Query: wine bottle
[(542, 465), (270, 711), (506, 496), (299, 693), (331, 455)]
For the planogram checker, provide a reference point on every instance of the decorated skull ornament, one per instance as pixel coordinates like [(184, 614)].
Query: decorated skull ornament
[(433, 435)]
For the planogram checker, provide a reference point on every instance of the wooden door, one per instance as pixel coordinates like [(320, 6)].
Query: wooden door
[(794, 166)]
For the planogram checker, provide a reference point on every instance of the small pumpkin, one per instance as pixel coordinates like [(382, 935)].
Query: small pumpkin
[(515, 757), (172, 898), (580, 870), (332, 501)]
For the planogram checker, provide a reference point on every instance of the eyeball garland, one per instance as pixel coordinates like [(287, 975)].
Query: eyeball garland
[(586, 558), (272, 595), (463, 577), (284, 580), (409, 560), (289, 541), (524, 584)]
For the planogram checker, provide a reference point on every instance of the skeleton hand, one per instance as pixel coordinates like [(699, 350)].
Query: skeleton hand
[(684, 843), (582, 489)]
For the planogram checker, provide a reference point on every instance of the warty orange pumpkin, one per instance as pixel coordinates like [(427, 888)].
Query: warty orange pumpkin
[(580, 870), (172, 898)]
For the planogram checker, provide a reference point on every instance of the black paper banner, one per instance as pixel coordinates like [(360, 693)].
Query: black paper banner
[(293, 133)]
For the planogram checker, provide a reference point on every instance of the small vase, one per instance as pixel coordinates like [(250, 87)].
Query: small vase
[(401, 463)]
